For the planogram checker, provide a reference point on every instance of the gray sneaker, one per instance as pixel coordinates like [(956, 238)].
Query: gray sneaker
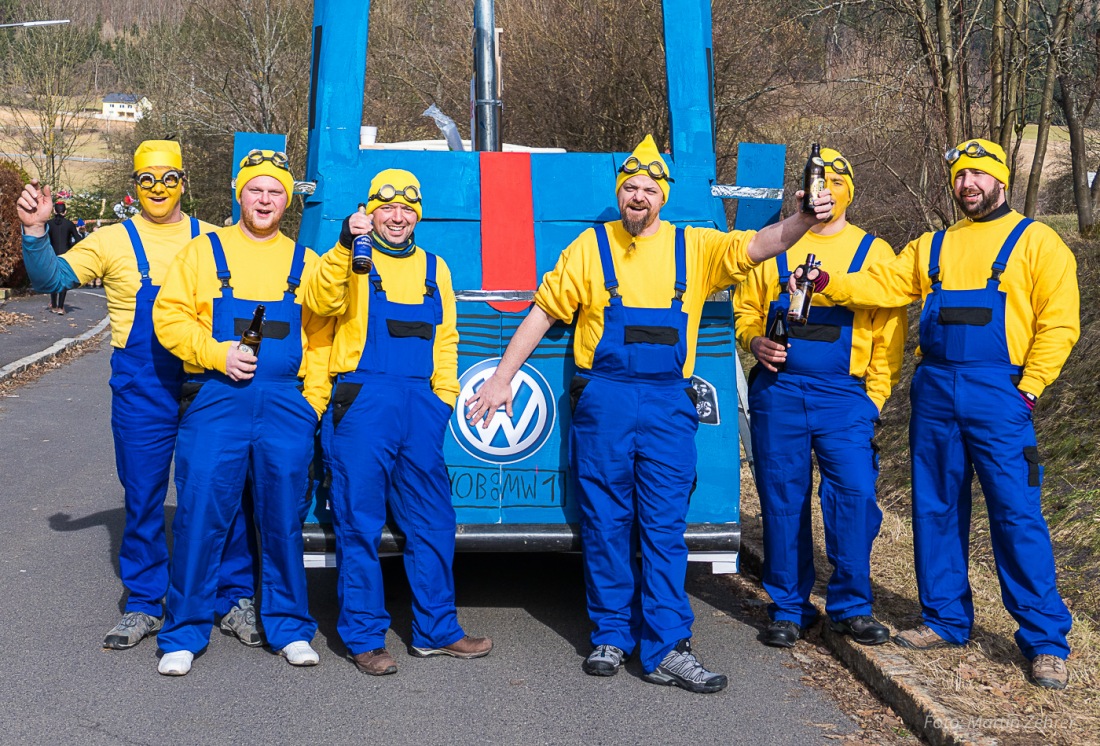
[(241, 622), (605, 660), (134, 627), (681, 668)]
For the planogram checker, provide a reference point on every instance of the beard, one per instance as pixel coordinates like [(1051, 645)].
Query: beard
[(270, 227), (634, 226), (987, 204)]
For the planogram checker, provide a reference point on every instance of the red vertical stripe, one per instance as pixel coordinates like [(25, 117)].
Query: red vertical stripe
[(507, 226)]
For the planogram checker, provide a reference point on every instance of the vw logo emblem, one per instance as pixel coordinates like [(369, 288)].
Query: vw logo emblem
[(506, 440)]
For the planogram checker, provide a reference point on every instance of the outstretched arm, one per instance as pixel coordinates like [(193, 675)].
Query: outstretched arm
[(497, 391)]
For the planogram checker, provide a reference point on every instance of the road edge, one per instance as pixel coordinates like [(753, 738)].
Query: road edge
[(892, 677), (58, 347)]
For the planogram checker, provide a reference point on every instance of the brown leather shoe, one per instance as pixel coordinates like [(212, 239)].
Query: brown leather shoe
[(1049, 671), (467, 647), (377, 662), (923, 638)]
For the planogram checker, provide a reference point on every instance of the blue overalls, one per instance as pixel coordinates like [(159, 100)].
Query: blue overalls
[(969, 416), (145, 387), (816, 404), (632, 453), (382, 440), (260, 431)]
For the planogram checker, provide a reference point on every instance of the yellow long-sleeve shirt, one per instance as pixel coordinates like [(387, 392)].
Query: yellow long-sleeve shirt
[(183, 314), (334, 290), (108, 253), (878, 335), (646, 270), (1042, 309)]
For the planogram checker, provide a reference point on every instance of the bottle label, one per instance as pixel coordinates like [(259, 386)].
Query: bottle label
[(817, 186), (247, 348), (797, 299)]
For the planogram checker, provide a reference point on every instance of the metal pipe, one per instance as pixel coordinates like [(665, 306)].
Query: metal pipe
[(486, 103)]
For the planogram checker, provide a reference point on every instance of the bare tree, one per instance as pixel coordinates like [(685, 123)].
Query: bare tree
[(1054, 49), (48, 95)]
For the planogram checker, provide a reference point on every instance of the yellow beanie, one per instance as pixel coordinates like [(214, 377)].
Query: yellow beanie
[(399, 179), (264, 168), (829, 156), (996, 166), (646, 153), (158, 153)]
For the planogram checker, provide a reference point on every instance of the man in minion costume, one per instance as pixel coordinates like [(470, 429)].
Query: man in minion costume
[(823, 394), (395, 363), (637, 287), (132, 258), (1000, 316), (247, 417)]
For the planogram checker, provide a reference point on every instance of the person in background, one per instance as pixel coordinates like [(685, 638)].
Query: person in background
[(63, 235)]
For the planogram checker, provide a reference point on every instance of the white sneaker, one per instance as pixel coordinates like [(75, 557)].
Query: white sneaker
[(175, 664), (299, 653)]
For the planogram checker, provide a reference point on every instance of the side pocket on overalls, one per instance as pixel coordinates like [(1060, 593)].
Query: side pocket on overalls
[(342, 399), (188, 391), (1034, 467), (576, 388)]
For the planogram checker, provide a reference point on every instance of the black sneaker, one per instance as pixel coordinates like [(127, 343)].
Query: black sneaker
[(681, 668), (864, 629), (782, 634), (604, 660)]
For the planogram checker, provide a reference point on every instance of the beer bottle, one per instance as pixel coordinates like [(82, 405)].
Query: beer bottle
[(777, 332), (360, 249), (254, 334), (803, 294), (360, 254), (813, 178)]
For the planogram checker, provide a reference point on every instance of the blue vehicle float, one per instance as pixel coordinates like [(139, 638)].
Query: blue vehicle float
[(499, 232)]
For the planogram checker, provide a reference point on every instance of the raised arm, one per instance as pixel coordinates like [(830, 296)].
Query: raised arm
[(326, 290), (48, 272)]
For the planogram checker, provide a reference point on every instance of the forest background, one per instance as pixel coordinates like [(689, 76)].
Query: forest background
[(890, 83)]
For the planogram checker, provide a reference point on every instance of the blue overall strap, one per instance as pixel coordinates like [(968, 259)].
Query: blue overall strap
[(784, 272), (681, 264), (934, 258), (1001, 261), (219, 260), (297, 265), (861, 253), (611, 282), (139, 249), (430, 288), (195, 228)]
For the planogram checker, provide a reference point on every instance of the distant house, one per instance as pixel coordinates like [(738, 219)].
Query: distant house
[(126, 107)]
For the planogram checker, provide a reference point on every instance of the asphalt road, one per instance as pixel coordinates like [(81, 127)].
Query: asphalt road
[(60, 523), (85, 307)]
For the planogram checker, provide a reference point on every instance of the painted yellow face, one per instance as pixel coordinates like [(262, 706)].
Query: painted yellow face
[(839, 189), (159, 200)]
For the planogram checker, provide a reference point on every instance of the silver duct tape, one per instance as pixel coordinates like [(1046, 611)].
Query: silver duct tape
[(729, 191)]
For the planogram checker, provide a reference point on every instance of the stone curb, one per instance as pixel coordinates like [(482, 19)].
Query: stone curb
[(893, 678), (52, 351)]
